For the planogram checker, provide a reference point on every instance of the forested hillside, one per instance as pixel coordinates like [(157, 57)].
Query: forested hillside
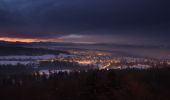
[(150, 84), (16, 50)]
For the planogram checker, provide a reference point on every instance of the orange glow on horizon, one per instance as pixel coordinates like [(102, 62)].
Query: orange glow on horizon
[(24, 40)]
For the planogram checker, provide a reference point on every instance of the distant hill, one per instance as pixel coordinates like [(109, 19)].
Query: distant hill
[(16, 50), (33, 44)]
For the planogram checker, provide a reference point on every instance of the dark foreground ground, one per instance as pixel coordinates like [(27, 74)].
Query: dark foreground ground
[(151, 84)]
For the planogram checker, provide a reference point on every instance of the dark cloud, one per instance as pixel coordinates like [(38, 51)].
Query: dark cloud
[(47, 18)]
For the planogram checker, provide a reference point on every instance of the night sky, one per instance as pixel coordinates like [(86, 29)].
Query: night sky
[(86, 21)]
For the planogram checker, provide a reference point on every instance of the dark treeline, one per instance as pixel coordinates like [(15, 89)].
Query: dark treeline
[(16, 50), (16, 69), (44, 65), (129, 84), (65, 65)]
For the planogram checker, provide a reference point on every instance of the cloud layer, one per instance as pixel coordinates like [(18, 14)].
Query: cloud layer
[(47, 19)]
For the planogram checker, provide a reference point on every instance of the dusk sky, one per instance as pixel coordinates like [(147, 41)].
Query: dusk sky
[(86, 21)]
